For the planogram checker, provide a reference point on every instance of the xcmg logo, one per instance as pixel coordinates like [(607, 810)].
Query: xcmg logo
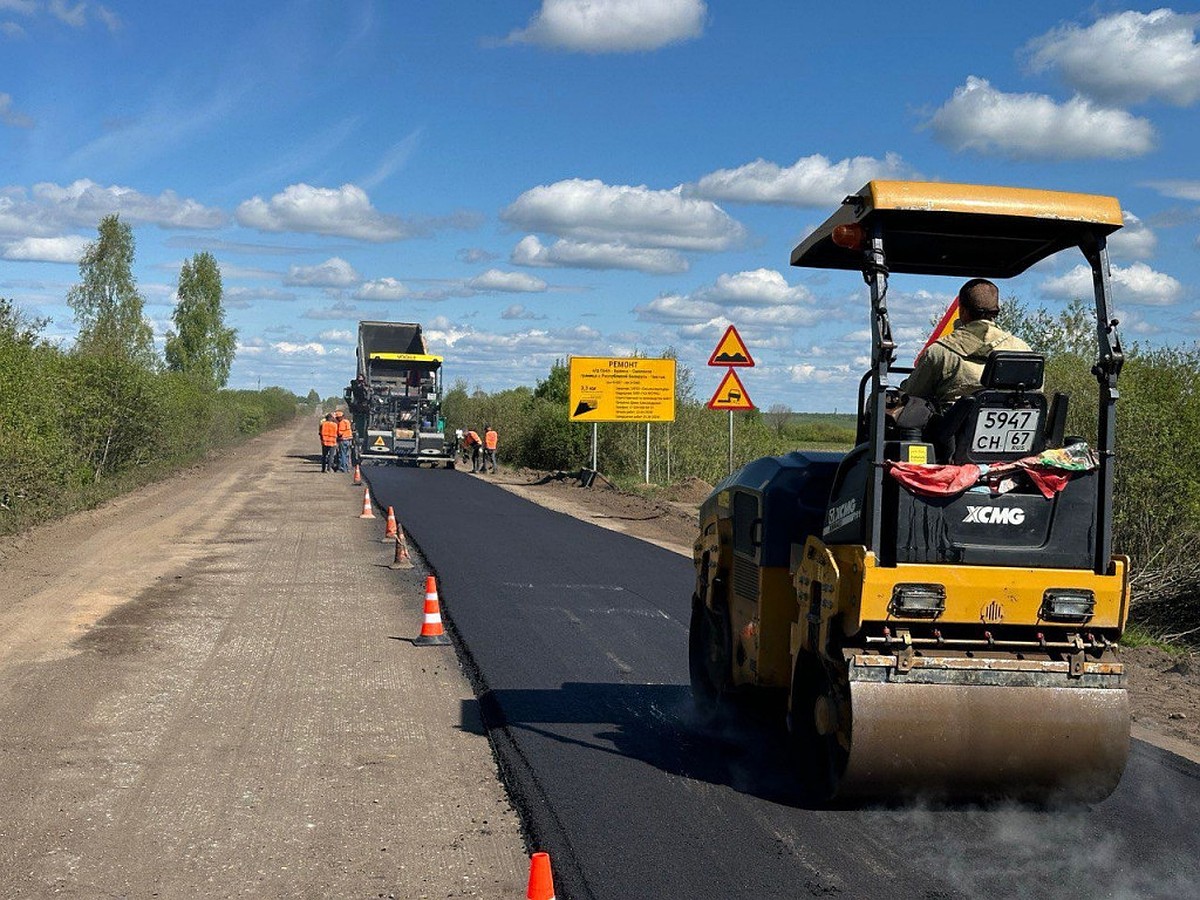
[(995, 515)]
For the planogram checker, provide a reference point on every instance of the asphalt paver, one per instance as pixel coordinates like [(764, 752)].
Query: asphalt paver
[(577, 640)]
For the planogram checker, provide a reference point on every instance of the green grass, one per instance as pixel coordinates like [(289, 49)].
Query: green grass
[(1137, 635)]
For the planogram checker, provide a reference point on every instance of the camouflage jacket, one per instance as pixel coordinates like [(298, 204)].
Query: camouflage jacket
[(952, 366)]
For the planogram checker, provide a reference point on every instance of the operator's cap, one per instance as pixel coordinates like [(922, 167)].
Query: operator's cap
[(980, 295)]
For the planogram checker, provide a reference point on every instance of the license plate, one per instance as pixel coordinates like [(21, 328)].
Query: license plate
[(1005, 431)]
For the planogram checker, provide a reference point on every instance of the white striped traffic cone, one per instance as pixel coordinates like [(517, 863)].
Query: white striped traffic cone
[(432, 632), (389, 532)]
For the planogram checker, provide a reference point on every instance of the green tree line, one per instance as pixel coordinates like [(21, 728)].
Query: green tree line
[(79, 424)]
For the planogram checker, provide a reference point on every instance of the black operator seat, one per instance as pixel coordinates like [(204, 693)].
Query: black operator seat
[(1005, 419)]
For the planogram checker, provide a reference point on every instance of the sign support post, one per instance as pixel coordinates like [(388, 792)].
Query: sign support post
[(647, 453), (594, 447), (730, 472)]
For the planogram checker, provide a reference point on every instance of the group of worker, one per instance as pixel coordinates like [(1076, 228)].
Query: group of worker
[(337, 438), (481, 450)]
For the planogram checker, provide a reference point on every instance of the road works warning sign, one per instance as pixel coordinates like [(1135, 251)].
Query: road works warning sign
[(730, 395), (621, 389), (731, 350)]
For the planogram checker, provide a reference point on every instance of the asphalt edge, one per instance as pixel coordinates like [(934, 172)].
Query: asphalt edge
[(525, 792)]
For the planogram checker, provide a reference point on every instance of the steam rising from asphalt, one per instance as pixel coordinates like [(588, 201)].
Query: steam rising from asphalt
[(1015, 851), (1000, 851)]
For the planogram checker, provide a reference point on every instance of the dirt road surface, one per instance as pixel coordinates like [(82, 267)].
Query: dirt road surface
[(207, 689)]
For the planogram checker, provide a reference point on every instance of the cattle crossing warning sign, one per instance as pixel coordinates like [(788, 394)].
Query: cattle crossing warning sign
[(731, 394), (731, 350), (621, 389)]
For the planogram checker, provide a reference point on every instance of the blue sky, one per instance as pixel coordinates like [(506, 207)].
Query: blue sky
[(533, 179)]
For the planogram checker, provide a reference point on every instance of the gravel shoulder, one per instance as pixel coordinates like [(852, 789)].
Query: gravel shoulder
[(1164, 688), (207, 687)]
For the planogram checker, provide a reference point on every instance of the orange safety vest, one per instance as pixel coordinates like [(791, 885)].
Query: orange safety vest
[(472, 440), (491, 438), (329, 432), (345, 431)]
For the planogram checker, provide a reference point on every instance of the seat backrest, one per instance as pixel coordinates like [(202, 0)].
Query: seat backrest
[(1004, 420), (1013, 370)]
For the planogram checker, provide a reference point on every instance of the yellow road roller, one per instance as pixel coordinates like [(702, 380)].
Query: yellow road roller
[(937, 610)]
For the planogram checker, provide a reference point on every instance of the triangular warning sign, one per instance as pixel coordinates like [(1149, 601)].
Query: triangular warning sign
[(731, 394), (378, 441), (731, 350)]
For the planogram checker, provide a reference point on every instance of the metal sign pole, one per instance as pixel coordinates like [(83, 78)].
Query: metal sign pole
[(647, 453), (594, 447), (668, 453), (730, 442)]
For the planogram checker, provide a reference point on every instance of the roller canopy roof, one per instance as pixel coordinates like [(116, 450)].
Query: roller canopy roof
[(934, 228)]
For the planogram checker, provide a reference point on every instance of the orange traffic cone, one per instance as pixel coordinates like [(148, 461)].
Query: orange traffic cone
[(431, 627), (401, 559), (541, 881), (357, 475), (389, 533), (367, 512)]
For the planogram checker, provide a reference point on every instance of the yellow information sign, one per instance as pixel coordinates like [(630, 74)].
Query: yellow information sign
[(621, 389)]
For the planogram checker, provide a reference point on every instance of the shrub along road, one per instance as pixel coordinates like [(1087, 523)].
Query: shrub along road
[(577, 640)]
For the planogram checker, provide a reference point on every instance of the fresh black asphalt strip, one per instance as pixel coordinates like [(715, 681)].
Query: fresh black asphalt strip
[(576, 638)]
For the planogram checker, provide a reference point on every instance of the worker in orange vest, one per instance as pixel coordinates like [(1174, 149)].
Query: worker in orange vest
[(329, 431), (345, 437), (472, 442), (490, 440)]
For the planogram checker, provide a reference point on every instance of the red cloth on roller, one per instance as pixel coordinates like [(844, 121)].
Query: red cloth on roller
[(1048, 481), (934, 481)]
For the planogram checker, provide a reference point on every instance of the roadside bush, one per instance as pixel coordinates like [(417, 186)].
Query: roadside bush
[(77, 428)]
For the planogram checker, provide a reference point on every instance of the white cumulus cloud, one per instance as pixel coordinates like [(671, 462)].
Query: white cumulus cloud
[(517, 311), (341, 212), (48, 208), (1127, 57), (1137, 284), (677, 308), (1177, 189), (66, 249), (1033, 126), (383, 289), (612, 26), (563, 253), (1134, 241), (506, 282), (335, 272), (592, 211), (759, 298), (760, 287), (810, 181)]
